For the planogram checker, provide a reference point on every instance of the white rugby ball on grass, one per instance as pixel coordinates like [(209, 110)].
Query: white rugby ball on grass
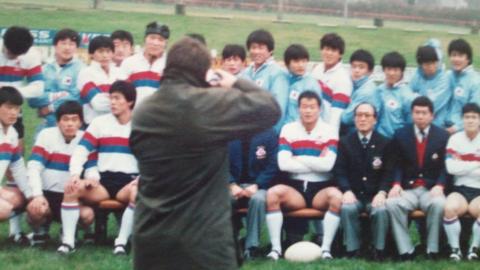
[(303, 251)]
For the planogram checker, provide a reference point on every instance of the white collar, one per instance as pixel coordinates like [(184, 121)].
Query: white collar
[(418, 134), (368, 136)]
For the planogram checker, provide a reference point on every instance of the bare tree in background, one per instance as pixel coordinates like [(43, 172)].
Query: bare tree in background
[(97, 4), (280, 10)]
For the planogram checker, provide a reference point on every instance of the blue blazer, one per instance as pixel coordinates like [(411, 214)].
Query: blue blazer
[(262, 159), (406, 166)]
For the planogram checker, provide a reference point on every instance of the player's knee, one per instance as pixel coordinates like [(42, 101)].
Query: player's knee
[(258, 199), (5, 213), (450, 210), (133, 195), (391, 204), (15, 199)]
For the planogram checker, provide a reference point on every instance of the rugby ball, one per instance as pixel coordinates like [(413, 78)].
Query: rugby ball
[(303, 251)]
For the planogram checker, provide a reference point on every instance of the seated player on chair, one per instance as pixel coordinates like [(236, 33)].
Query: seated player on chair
[(307, 152), (108, 136), (463, 162)]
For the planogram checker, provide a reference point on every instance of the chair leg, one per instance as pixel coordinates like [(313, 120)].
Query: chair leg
[(101, 218)]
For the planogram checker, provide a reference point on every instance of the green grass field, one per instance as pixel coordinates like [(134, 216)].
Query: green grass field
[(218, 32)]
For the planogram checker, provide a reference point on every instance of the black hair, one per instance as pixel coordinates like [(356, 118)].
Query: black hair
[(461, 46), (365, 56), (234, 50), (295, 52), (126, 89), (17, 40), (261, 36), (99, 42), (69, 107), (366, 103), (67, 33), (334, 41), (471, 107), (426, 54), (309, 95), (9, 94), (158, 29), (394, 60), (422, 101), (122, 35), (198, 37)]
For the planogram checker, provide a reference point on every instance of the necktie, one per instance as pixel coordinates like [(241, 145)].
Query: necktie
[(422, 135), (364, 141)]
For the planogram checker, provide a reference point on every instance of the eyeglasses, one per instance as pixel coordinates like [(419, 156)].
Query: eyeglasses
[(366, 115)]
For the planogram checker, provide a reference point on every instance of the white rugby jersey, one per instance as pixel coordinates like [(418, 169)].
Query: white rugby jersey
[(94, 84), (25, 68), (308, 156), (48, 164), (109, 139), (463, 160), (11, 157), (336, 87), (143, 75)]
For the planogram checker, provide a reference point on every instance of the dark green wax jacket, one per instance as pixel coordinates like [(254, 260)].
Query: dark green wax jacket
[(179, 136)]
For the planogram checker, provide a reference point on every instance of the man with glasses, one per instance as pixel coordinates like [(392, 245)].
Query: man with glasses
[(361, 173)]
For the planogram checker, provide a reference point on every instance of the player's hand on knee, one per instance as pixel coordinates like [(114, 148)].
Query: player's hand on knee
[(437, 190), (236, 191), (379, 199), (395, 191), (38, 205), (349, 197), (250, 190), (90, 184)]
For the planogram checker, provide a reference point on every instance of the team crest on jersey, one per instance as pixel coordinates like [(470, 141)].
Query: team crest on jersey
[(67, 80), (392, 103), (459, 91), (294, 94), (377, 163), (435, 156), (259, 82), (261, 153)]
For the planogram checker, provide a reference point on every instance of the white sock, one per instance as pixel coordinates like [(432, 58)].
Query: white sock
[(15, 223), (126, 226), (274, 225), (331, 221), (475, 234), (452, 229), (70, 213)]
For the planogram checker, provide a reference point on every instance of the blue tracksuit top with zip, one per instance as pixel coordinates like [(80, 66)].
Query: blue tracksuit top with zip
[(465, 88), (437, 89), (298, 85), (58, 78), (262, 159), (364, 91), (271, 77), (395, 107)]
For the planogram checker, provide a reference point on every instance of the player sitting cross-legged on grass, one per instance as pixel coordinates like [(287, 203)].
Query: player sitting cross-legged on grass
[(108, 136), (48, 171), (307, 152)]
